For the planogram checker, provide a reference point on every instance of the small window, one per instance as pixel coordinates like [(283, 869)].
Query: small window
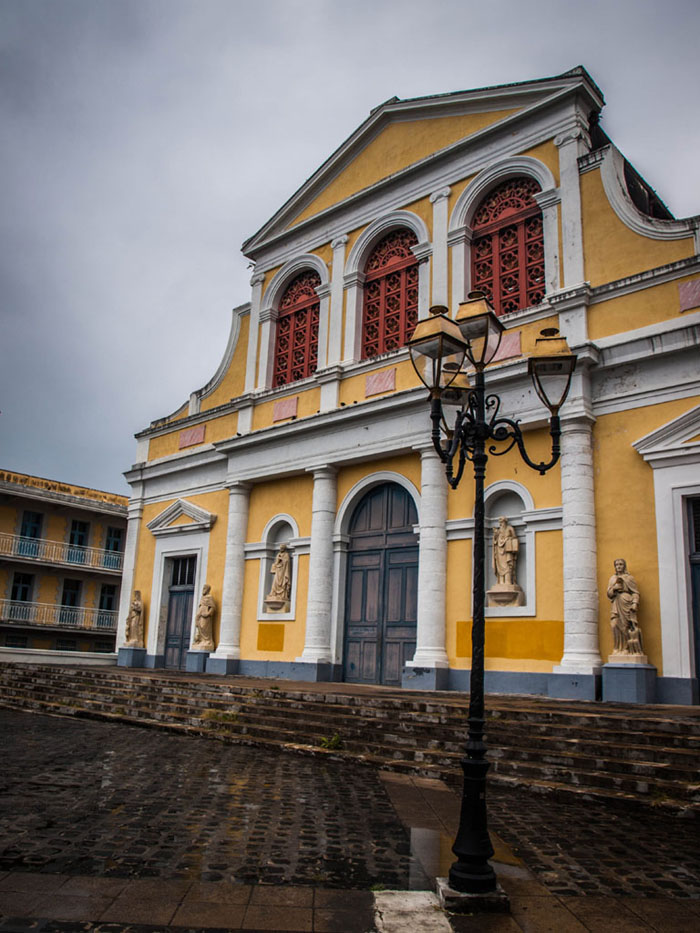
[(183, 571), (22, 587), (112, 557), (16, 641), (77, 541), (30, 532), (66, 644), (70, 613), (108, 603)]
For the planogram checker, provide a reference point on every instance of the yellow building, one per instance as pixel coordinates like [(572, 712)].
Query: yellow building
[(61, 555), (314, 432)]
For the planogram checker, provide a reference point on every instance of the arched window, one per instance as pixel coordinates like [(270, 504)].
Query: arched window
[(508, 246), (296, 340), (390, 309)]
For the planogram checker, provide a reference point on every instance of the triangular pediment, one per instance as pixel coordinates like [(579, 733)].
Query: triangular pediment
[(181, 517), (402, 136), (677, 440)]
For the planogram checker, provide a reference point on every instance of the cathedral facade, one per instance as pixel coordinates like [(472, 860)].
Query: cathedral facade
[(301, 484)]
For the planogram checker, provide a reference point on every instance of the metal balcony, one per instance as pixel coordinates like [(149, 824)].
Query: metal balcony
[(18, 612), (60, 553)]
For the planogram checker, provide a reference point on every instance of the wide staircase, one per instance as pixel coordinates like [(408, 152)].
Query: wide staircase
[(627, 753)]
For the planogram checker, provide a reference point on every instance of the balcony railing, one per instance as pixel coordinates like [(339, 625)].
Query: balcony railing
[(19, 612), (59, 552)]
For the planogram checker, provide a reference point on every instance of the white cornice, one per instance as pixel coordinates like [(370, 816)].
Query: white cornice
[(669, 444), (202, 520), (656, 276)]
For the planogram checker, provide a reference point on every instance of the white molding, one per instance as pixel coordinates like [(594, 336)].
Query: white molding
[(196, 545), (510, 167), (361, 487), (264, 551), (201, 519), (236, 315), (612, 175), (671, 443), (391, 220), (656, 276)]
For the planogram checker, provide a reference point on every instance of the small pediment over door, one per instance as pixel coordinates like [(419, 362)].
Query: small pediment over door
[(676, 442), (181, 517)]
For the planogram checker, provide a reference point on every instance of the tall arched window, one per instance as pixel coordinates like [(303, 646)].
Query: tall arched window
[(390, 309), (508, 246), (296, 340)]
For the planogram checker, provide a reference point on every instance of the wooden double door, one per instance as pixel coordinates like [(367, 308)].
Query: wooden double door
[(382, 587)]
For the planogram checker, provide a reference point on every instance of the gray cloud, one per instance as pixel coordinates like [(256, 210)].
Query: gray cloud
[(143, 140)]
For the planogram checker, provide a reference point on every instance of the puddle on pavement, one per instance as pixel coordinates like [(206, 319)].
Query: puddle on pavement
[(432, 856)]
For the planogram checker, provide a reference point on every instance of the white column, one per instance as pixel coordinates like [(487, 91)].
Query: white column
[(439, 201), (133, 525), (423, 255), (324, 294), (432, 564), (229, 647), (581, 649), (571, 144), (549, 202), (252, 357), (354, 283), (459, 241), (319, 606), (335, 337), (267, 319)]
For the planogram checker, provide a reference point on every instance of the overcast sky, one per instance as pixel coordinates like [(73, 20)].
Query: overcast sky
[(141, 141)]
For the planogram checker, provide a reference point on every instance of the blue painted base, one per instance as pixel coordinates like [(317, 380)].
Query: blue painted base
[(131, 657), (680, 691), (574, 686), (629, 683), (522, 682), (222, 665), (196, 662), (318, 672), (425, 678), (155, 661)]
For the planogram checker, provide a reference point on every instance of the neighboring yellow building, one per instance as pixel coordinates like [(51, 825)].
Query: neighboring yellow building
[(315, 434), (61, 556)]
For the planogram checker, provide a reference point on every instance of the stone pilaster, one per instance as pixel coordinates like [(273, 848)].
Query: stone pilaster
[(252, 356), (430, 654), (335, 330), (571, 144), (317, 640), (228, 652), (581, 649), (439, 200)]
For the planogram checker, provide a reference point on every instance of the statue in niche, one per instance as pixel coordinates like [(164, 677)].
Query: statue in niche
[(506, 546), (623, 594), (277, 600), (134, 623), (204, 622)]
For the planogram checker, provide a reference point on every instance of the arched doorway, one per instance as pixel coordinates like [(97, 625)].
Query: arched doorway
[(382, 587)]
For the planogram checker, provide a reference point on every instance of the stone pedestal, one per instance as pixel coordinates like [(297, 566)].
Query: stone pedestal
[(131, 657), (276, 605), (629, 682), (425, 678), (504, 595), (457, 902), (196, 661)]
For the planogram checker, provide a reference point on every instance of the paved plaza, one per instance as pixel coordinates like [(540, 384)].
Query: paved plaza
[(140, 829)]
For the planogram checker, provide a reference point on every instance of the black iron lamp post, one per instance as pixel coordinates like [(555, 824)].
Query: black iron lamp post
[(438, 348)]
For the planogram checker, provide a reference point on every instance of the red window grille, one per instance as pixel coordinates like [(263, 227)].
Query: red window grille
[(296, 339), (390, 309), (508, 246)]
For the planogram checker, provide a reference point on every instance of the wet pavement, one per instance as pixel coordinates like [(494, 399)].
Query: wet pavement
[(99, 817)]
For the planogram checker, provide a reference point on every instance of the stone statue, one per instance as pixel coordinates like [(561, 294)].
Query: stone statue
[(204, 622), (277, 600), (134, 623), (504, 557), (623, 594)]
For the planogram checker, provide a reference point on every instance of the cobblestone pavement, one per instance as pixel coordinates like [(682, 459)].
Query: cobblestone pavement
[(89, 798), (586, 847)]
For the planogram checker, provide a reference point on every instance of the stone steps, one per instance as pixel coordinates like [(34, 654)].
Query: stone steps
[(647, 754)]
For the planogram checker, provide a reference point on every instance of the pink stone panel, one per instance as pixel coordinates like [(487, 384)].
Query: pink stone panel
[(689, 293), (285, 408), (192, 436), (510, 346), (384, 381)]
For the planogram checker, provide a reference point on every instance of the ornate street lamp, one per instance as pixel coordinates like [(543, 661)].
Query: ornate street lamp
[(437, 356)]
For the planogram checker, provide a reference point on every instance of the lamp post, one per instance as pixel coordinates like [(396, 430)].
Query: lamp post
[(439, 348)]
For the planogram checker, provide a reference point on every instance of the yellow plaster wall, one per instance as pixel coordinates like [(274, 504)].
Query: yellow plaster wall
[(613, 251), (233, 382), (217, 429), (291, 495), (214, 502), (638, 309), (308, 404), (407, 465), (397, 146), (352, 388), (625, 516), (278, 641)]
